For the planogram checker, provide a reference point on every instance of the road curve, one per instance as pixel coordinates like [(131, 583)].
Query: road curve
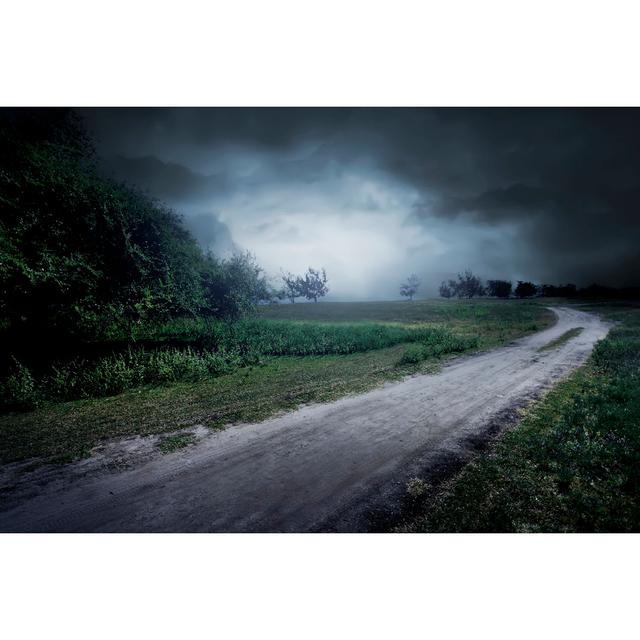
[(322, 467)]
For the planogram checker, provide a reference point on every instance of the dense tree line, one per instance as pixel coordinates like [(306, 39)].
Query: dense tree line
[(592, 291), (84, 256), (468, 285), (499, 288)]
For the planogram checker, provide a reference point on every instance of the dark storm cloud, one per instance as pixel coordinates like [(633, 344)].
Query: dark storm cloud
[(165, 180), (170, 181), (559, 188), (567, 178), (270, 128)]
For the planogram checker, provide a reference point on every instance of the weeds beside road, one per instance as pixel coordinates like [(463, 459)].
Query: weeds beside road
[(205, 373)]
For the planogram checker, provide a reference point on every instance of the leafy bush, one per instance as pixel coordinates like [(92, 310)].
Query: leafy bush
[(18, 390)]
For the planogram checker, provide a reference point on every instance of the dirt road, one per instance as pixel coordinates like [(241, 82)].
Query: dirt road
[(322, 467)]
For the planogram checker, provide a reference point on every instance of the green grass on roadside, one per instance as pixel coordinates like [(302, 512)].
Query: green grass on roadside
[(65, 430), (191, 350), (169, 444), (563, 339), (572, 464)]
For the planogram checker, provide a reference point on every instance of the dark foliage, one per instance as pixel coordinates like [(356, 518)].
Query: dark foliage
[(593, 291), (559, 291), (499, 288), (446, 290), (525, 289), (83, 258)]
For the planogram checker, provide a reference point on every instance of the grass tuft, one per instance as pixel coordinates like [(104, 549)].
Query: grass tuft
[(170, 444), (563, 339)]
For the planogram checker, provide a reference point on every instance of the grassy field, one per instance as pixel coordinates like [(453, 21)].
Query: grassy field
[(572, 464), (195, 372)]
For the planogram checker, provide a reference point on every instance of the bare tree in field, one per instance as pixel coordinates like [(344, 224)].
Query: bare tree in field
[(409, 288), (293, 286), (314, 284)]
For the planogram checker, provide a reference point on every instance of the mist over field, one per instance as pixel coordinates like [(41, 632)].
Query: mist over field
[(547, 195)]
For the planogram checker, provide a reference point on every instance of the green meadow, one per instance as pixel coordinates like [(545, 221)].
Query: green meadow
[(196, 371)]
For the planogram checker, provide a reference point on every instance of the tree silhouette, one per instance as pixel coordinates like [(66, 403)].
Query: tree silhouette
[(409, 288), (314, 284), (293, 286), (499, 288), (446, 290), (525, 289)]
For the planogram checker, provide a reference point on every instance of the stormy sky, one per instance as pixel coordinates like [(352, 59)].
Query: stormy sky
[(372, 195)]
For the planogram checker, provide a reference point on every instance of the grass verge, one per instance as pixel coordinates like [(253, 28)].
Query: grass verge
[(572, 464), (176, 442), (63, 431), (563, 339)]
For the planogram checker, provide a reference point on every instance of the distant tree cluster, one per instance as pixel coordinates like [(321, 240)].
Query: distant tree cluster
[(560, 291), (499, 288), (467, 285), (312, 285), (591, 292), (525, 289)]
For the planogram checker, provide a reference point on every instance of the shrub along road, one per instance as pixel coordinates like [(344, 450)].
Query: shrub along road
[(322, 467)]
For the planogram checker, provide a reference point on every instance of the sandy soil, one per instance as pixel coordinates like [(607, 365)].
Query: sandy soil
[(329, 467)]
